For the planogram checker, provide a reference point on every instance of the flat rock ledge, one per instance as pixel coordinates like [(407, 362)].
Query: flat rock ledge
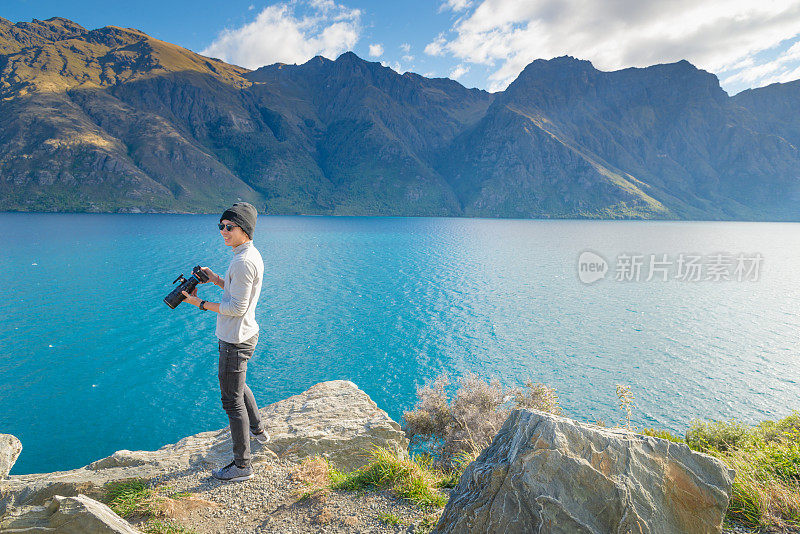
[(333, 419), (548, 474)]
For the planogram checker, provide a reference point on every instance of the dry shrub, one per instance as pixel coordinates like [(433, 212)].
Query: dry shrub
[(181, 507), (599, 422), (323, 517), (449, 429), (626, 403), (312, 471), (351, 520)]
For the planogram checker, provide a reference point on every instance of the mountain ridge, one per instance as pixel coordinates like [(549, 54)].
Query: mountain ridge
[(112, 119)]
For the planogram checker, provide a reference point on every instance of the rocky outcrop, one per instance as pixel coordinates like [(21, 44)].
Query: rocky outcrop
[(10, 447), (67, 515), (333, 419), (548, 474)]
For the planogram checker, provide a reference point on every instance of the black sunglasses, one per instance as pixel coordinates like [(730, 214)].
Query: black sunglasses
[(228, 227)]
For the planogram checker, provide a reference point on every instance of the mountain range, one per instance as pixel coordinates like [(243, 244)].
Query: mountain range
[(113, 120)]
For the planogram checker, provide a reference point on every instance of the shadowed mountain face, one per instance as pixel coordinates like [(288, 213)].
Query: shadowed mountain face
[(73, 136), (663, 141), (114, 120)]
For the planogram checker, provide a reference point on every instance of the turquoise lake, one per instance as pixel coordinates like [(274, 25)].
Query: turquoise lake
[(92, 360)]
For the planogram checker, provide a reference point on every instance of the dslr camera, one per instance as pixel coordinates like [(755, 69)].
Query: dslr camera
[(186, 284)]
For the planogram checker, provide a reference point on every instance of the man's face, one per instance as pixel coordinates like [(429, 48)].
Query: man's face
[(235, 236)]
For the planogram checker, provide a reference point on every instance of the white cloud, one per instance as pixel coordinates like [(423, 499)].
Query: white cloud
[(784, 68), (458, 72), (405, 47), (716, 35), (291, 32), (437, 46), (376, 50), (455, 5), (397, 66)]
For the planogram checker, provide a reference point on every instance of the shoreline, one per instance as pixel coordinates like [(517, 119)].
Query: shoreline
[(391, 216)]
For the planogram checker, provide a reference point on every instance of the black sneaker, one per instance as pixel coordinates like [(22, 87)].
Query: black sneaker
[(233, 473)]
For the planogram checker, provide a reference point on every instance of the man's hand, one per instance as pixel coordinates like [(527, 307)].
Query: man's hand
[(213, 277), (210, 274), (192, 299)]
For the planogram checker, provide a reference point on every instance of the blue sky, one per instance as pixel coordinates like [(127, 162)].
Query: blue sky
[(481, 43)]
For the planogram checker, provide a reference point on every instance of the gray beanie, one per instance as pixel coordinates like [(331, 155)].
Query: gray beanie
[(244, 215)]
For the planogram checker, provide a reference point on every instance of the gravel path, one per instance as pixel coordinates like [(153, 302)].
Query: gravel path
[(273, 501)]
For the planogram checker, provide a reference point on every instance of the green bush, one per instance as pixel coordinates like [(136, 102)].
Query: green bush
[(782, 459), (786, 428), (716, 435)]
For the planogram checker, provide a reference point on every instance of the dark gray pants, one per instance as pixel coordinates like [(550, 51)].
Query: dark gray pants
[(237, 399)]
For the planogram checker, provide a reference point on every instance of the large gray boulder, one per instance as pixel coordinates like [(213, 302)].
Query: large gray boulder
[(67, 515), (549, 474), (10, 447), (333, 419)]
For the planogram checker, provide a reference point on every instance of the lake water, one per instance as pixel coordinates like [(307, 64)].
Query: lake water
[(92, 360)]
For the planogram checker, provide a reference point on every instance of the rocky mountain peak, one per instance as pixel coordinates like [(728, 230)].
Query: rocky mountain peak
[(563, 66), (565, 79), (317, 61), (348, 56), (14, 37), (53, 29)]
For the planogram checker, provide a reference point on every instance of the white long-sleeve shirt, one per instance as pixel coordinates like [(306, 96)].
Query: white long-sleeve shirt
[(236, 320)]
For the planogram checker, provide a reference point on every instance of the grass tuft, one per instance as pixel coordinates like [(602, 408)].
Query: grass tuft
[(136, 500), (389, 519), (132, 498), (766, 457), (408, 479), (427, 524)]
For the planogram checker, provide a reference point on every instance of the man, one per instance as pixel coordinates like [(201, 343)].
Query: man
[(237, 331)]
